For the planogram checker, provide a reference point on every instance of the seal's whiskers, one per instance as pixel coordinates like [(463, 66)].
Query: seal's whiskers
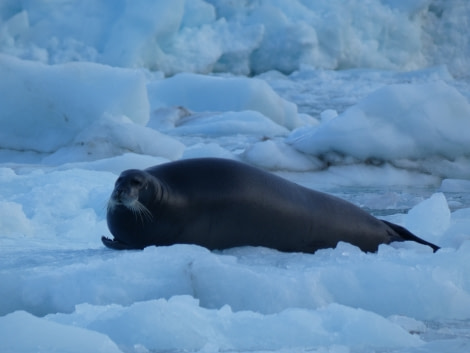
[(141, 211), (111, 204)]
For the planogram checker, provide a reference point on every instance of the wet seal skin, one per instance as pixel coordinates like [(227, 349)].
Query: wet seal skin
[(221, 203)]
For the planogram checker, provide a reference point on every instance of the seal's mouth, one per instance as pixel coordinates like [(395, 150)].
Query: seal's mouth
[(114, 202), (116, 244), (131, 204)]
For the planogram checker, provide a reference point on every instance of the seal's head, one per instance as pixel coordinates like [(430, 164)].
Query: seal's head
[(128, 209), (129, 190)]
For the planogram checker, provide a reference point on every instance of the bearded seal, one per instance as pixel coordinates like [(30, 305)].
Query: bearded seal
[(221, 203)]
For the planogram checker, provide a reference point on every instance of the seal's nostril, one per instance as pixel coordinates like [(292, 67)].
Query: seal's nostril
[(118, 194)]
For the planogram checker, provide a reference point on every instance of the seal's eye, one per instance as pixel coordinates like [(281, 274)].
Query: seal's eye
[(136, 182)]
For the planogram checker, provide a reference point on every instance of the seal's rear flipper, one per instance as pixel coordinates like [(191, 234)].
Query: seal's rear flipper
[(405, 234)]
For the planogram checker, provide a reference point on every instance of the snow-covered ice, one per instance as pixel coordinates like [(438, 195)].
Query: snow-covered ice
[(368, 100)]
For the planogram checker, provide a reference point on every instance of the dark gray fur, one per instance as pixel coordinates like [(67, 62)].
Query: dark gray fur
[(220, 204)]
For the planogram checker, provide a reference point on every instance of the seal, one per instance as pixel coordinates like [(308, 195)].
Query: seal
[(221, 203)]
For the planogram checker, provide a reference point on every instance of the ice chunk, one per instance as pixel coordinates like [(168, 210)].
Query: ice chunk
[(397, 121), (430, 218), (208, 93), (22, 332), (43, 108)]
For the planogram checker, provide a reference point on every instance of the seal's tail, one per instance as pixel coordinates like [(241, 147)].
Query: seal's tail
[(405, 234)]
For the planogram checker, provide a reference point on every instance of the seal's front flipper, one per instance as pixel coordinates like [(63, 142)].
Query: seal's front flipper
[(114, 244), (405, 234)]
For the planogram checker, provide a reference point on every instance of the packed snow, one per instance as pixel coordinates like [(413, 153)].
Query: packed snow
[(367, 100)]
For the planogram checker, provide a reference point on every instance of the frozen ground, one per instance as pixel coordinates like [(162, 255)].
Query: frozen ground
[(365, 100)]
